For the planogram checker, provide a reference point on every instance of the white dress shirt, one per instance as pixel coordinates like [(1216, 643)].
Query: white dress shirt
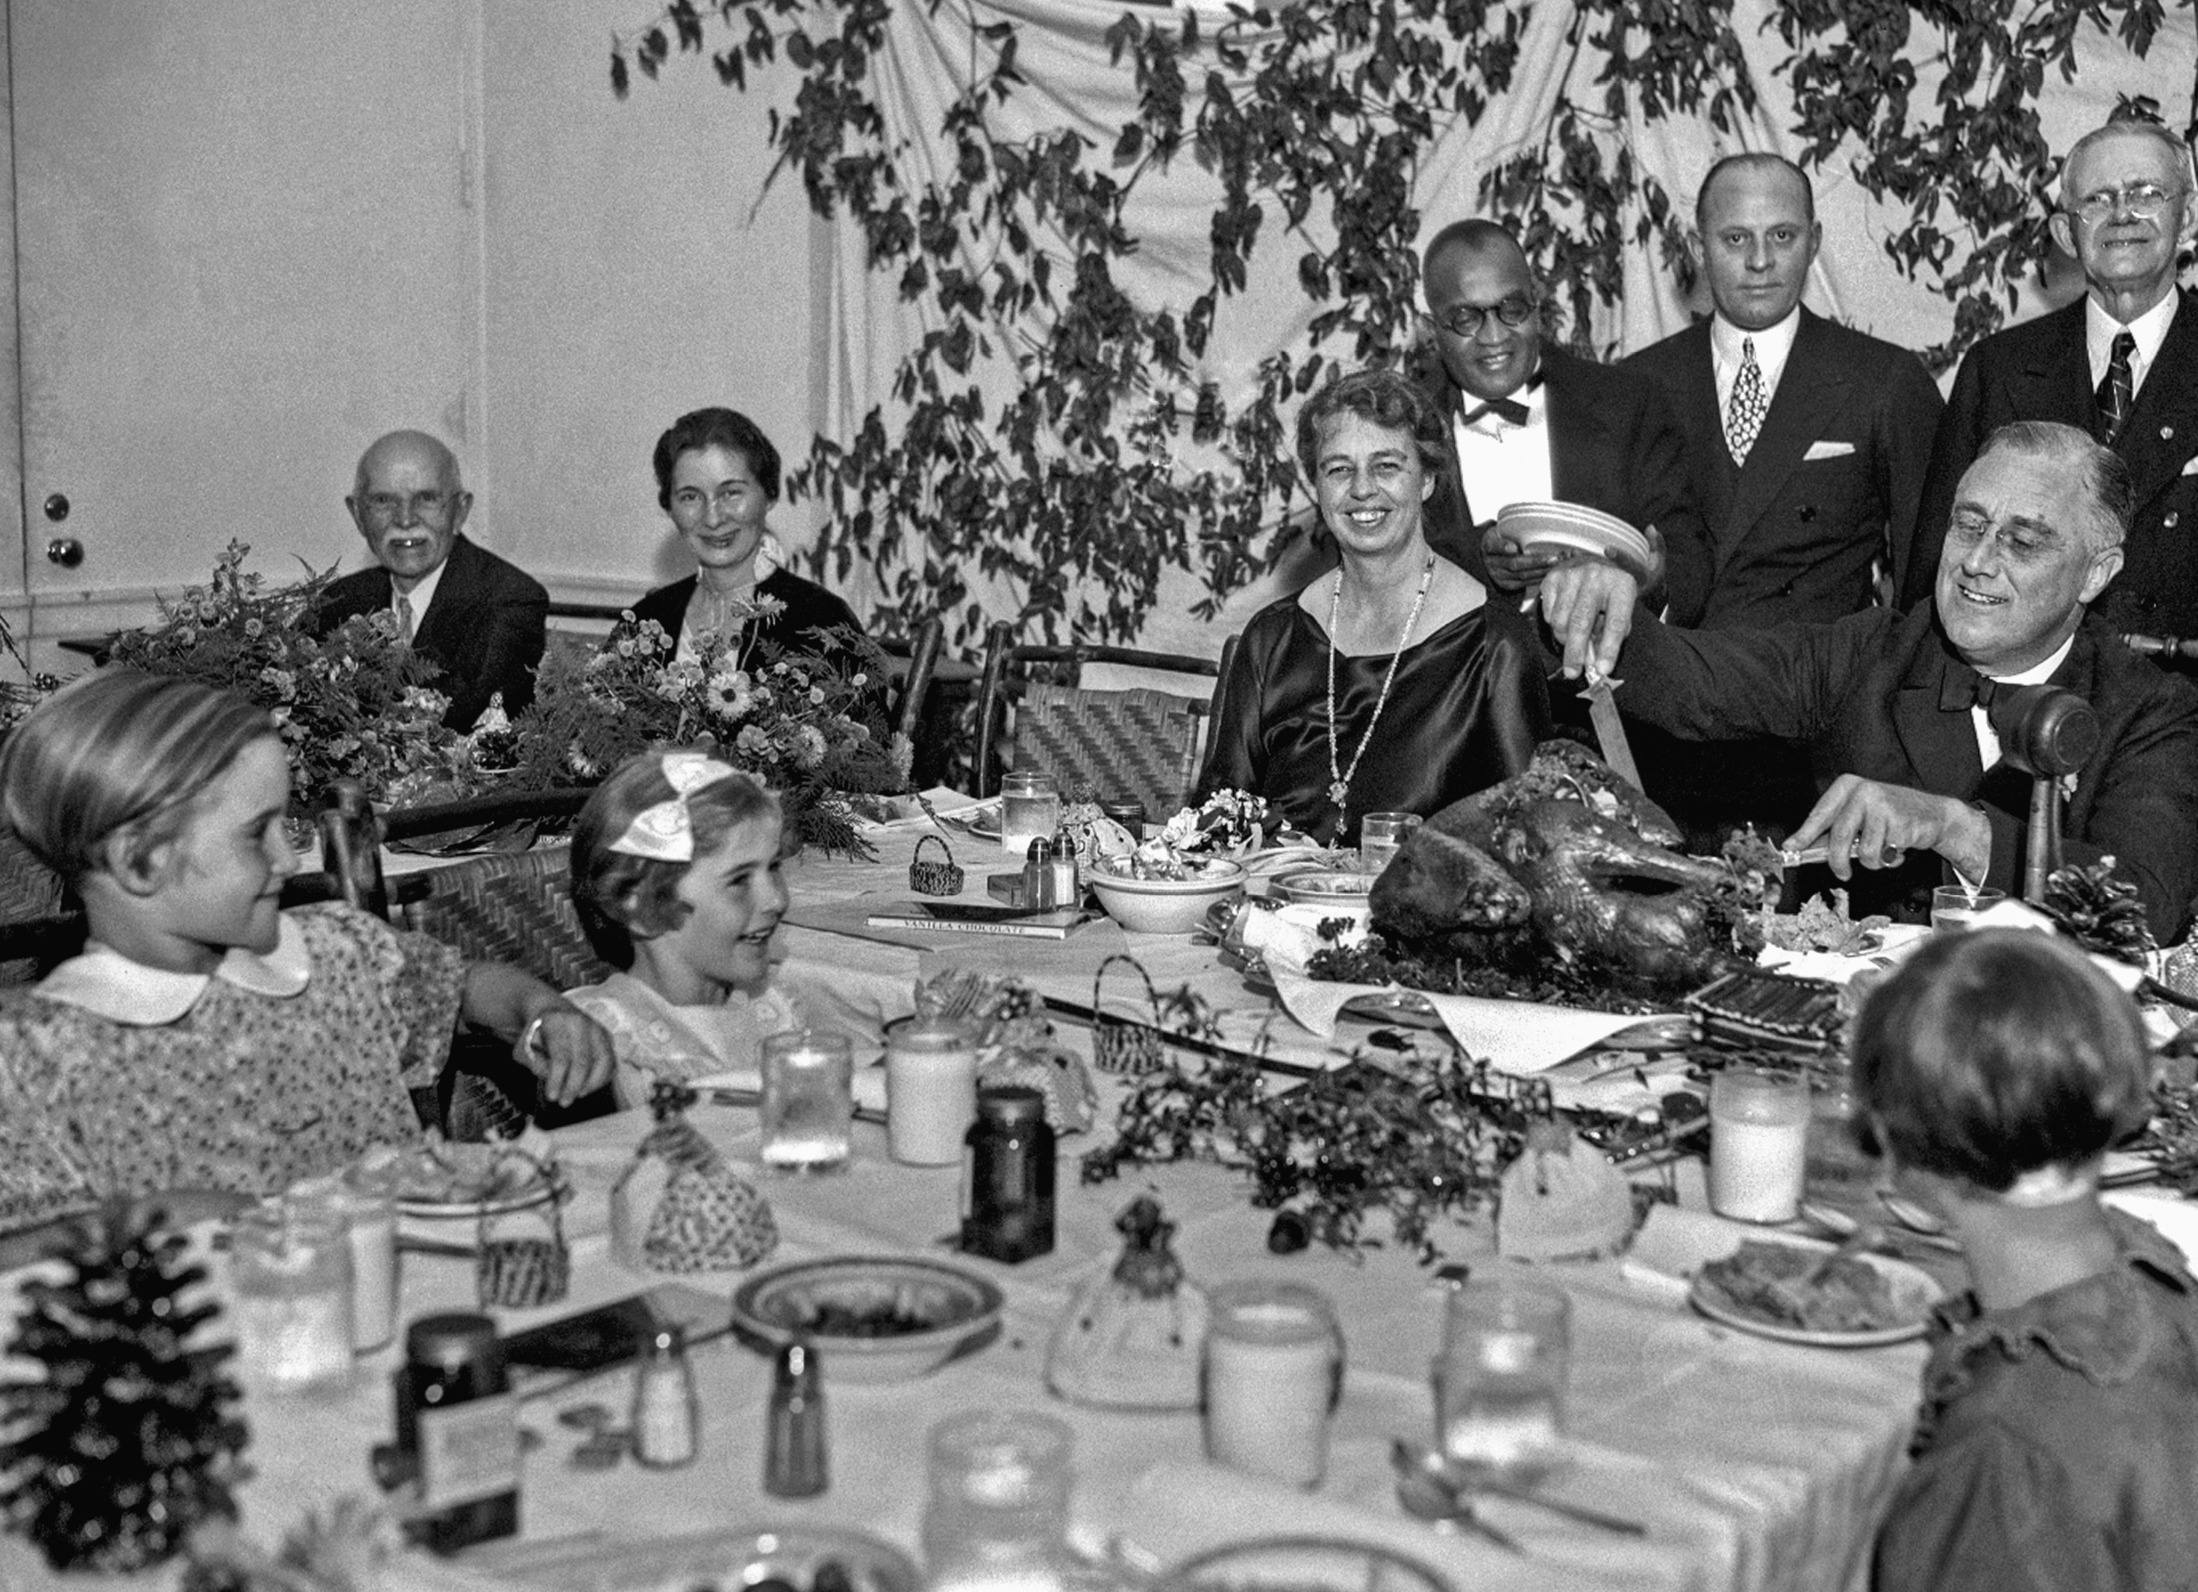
[(1988, 742), (2149, 330), (1773, 346), (419, 596), (1500, 463)]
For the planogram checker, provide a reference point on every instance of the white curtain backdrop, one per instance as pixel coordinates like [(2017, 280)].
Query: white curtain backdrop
[(1063, 53)]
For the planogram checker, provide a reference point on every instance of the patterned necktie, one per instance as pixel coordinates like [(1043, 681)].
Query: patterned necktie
[(2116, 389), (1744, 414), (404, 616)]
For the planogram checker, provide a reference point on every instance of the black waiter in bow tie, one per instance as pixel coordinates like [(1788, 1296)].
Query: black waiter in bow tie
[(1528, 421), (1902, 749)]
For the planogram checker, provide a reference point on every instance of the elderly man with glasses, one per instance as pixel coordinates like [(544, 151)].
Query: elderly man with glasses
[(1896, 710), (1531, 423), (2121, 362), (475, 617)]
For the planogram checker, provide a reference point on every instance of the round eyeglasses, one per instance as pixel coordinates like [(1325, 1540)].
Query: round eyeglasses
[(2146, 200), (1464, 320)]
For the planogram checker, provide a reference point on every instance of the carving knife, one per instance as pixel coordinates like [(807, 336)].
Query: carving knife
[(1610, 730)]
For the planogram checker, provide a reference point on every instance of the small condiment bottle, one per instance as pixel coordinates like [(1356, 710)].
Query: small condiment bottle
[(794, 1459), (1038, 883), (1068, 881), (666, 1422), (457, 1421), (1007, 1177)]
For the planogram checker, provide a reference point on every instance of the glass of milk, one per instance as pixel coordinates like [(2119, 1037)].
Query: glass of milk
[(1274, 1375), (1759, 1144)]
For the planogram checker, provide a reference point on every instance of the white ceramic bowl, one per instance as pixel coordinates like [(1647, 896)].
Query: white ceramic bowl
[(1164, 906), (807, 1300)]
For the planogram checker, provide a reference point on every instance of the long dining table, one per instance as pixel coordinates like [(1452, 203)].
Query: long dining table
[(1753, 1464)]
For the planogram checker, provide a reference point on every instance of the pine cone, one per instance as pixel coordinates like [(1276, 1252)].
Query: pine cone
[(2100, 912)]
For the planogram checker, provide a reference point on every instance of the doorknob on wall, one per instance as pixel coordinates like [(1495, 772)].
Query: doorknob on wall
[(66, 551), (57, 506)]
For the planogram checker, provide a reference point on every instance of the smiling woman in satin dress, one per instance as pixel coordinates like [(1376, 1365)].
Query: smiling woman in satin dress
[(1392, 683)]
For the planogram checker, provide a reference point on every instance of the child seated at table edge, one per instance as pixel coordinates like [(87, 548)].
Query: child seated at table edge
[(676, 877), (2057, 1443), (206, 1044)]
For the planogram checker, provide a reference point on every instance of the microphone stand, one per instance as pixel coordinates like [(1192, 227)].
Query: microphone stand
[(2047, 732)]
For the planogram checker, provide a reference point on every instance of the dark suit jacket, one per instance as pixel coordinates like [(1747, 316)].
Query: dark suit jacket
[(810, 609), (1790, 537), (2040, 371), (1870, 695), (484, 630), (1612, 446)]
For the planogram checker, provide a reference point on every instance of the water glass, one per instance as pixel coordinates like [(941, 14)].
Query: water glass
[(362, 1201), (1500, 1378), (1759, 1144), (808, 1101), (1954, 905), (290, 1272), (1030, 809), (1272, 1375), (999, 1493), (1380, 835)]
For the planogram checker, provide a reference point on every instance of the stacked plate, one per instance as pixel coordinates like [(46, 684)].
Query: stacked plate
[(1576, 528)]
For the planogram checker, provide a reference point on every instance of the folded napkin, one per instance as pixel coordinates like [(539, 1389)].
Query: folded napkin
[(1517, 1037), (909, 813)]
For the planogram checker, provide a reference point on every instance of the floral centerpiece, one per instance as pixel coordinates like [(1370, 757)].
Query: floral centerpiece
[(355, 704), (795, 720)]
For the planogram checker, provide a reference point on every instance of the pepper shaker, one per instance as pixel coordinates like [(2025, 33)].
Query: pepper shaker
[(794, 1460), (1038, 893)]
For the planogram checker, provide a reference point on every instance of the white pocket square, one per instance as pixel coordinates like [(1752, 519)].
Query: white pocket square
[(1827, 450), (2190, 465)]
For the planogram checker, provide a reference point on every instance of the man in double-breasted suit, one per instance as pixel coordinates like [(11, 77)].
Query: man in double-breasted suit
[(1806, 444), (2122, 363), (480, 620), (1895, 709), (1531, 423)]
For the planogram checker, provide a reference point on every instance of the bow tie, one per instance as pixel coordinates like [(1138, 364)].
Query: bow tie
[(1509, 410), (1962, 687)]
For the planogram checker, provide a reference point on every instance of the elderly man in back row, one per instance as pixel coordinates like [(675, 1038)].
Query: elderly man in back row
[(481, 621), (1893, 707)]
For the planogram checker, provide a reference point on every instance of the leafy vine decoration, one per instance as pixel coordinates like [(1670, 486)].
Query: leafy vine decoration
[(1051, 435)]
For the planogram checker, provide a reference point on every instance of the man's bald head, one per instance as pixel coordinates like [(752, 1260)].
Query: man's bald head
[(1763, 166), (1476, 237), (409, 504)]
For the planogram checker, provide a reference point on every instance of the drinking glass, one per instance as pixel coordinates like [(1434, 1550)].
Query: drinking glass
[(1379, 837), (1759, 1144), (999, 1492), (290, 1271), (1954, 905), (808, 1101), (1273, 1374), (1500, 1378), (361, 1200), (1030, 809)]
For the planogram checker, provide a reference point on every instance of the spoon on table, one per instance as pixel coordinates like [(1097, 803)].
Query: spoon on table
[(1429, 1496), (1420, 1464)]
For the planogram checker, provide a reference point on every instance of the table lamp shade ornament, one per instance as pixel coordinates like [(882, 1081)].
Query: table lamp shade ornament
[(665, 831), (124, 1372), (1562, 1200), (679, 1207), (1133, 1335)]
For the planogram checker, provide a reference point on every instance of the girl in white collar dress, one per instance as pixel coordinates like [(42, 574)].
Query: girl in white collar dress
[(675, 876), (206, 1040)]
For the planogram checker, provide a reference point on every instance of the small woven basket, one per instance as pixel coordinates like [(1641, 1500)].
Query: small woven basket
[(932, 877), (1124, 1047), (521, 1258)]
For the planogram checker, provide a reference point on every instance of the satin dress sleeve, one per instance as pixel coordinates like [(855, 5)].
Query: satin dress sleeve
[(1466, 710)]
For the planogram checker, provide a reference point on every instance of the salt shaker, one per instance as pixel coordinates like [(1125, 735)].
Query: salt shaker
[(665, 1419), (794, 1462), (1068, 882)]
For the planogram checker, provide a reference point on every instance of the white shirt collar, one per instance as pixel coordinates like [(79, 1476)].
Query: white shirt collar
[(2149, 330), (2037, 673), (1535, 397), (108, 984), (419, 596), (1773, 346)]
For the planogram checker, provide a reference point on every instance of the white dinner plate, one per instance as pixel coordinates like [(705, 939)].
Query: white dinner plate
[(983, 822), (1914, 1289), (1576, 528)]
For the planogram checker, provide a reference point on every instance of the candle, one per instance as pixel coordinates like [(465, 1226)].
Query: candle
[(930, 1089), (1759, 1144), (1273, 1371)]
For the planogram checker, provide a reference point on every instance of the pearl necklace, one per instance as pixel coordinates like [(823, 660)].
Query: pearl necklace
[(1339, 782)]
